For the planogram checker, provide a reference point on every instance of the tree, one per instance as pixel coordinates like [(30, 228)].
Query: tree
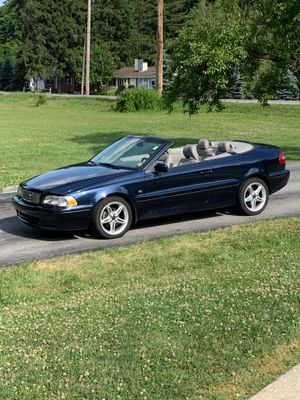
[(9, 35), (236, 85), (44, 38), (176, 15), (289, 87), (52, 38), (260, 37), (207, 50), (103, 63), (128, 27), (273, 44), (6, 75)]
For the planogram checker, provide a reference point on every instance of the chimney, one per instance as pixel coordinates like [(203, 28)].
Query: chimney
[(140, 65), (145, 66)]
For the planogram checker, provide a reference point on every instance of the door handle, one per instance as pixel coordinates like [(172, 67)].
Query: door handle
[(206, 172)]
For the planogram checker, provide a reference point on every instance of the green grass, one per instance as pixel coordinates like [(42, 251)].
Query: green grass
[(212, 316), (63, 131)]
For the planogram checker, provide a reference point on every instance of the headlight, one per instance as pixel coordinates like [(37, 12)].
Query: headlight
[(60, 201)]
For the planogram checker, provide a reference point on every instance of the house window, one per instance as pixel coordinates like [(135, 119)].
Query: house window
[(144, 82)]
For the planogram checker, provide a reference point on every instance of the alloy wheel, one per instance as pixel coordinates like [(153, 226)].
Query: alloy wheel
[(114, 218), (255, 197)]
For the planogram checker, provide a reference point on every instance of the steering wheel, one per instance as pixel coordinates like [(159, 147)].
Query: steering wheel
[(144, 159)]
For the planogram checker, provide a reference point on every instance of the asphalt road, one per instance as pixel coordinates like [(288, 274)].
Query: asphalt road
[(20, 243)]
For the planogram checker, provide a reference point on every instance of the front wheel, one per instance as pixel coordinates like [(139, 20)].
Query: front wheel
[(253, 196), (112, 218)]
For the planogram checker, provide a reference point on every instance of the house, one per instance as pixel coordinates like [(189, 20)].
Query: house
[(141, 75), (67, 84)]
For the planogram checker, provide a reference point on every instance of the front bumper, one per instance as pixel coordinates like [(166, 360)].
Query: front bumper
[(75, 218)]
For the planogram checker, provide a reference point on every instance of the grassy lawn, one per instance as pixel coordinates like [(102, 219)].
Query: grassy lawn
[(211, 316), (63, 131)]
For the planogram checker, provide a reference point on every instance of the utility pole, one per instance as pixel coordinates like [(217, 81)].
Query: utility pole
[(88, 49), (160, 48), (83, 65)]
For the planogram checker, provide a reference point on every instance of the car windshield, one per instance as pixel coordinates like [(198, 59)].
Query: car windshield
[(129, 153)]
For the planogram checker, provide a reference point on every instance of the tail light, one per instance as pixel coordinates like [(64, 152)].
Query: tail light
[(282, 158)]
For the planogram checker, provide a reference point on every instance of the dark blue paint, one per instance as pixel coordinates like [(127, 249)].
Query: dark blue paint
[(205, 185)]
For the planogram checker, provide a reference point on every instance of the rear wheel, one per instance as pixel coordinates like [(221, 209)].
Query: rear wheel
[(253, 196), (112, 218)]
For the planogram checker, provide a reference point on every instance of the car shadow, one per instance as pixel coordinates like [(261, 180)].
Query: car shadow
[(13, 226), (175, 219)]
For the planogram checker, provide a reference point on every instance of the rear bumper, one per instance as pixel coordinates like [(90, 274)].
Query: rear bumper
[(278, 180), (53, 219)]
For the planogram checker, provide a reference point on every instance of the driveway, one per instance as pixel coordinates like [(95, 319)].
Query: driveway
[(20, 243)]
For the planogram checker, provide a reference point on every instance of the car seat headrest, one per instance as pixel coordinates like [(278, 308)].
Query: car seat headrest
[(225, 147), (203, 144), (189, 151)]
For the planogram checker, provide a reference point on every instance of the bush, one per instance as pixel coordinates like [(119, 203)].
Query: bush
[(41, 99), (139, 100), (108, 91)]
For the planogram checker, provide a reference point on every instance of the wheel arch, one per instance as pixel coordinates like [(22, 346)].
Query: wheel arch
[(260, 176), (126, 198)]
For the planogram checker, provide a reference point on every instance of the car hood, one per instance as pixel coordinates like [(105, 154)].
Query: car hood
[(74, 178)]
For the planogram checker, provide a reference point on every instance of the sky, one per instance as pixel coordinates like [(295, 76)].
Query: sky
[(1, 2)]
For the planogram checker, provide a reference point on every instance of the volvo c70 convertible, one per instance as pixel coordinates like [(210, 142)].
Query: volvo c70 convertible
[(139, 177)]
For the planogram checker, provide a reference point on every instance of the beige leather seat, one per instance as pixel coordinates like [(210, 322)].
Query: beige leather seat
[(224, 147), (205, 149), (167, 159), (190, 155)]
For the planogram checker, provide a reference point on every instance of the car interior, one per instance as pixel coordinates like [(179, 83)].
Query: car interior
[(202, 151)]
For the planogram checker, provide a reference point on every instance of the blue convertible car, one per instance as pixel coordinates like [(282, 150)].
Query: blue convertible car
[(138, 178)]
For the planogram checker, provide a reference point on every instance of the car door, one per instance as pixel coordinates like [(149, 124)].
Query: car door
[(181, 189), (228, 172)]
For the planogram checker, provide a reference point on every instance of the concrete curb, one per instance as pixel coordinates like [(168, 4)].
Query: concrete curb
[(10, 189), (286, 387), (271, 102)]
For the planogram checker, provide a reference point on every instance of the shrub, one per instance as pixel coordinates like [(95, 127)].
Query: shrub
[(41, 99), (108, 91), (139, 100)]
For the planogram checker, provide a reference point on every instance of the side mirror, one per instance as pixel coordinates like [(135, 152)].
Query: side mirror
[(161, 167)]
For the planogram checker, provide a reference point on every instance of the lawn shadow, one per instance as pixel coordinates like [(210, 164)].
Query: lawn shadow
[(98, 140), (292, 152)]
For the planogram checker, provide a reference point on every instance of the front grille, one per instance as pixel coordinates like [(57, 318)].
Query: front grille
[(28, 218), (31, 197)]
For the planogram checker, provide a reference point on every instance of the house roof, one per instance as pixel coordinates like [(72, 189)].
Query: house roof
[(129, 72)]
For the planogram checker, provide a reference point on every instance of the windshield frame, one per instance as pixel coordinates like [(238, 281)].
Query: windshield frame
[(163, 144)]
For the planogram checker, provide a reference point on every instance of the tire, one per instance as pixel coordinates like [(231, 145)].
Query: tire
[(118, 216), (253, 196)]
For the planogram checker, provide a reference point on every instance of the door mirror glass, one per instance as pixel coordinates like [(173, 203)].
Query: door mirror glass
[(161, 167)]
